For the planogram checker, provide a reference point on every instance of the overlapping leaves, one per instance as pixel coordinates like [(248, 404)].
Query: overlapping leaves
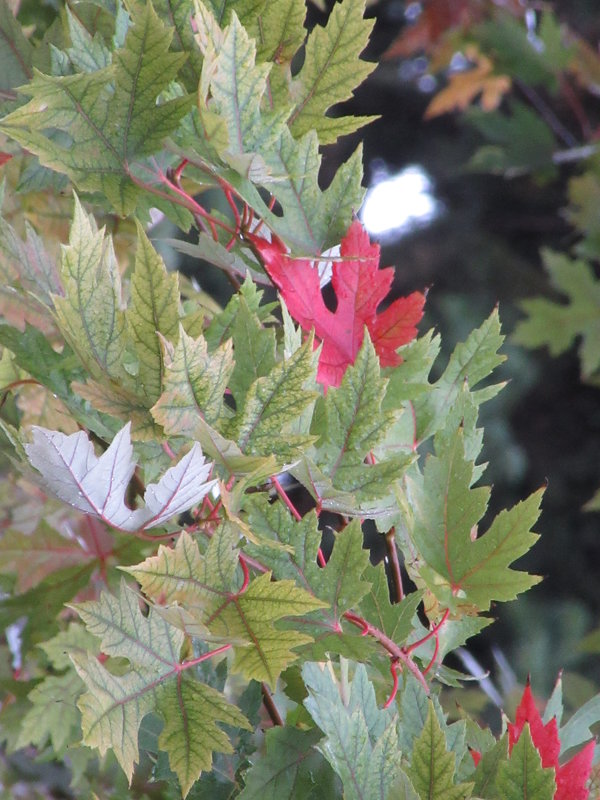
[(110, 115), (203, 586), (158, 680)]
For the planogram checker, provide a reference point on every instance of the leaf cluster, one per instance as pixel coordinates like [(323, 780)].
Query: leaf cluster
[(178, 463)]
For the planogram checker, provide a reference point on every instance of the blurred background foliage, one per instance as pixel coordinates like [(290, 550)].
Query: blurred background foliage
[(483, 176)]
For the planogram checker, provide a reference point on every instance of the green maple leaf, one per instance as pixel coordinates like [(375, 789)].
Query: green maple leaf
[(90, 314), (312, 220), (558, 325), (33, 557), (238, 87), (87, 53), (462, 568), (194, 385), (29, 263), (16, 53), (56, 371), (331, 70), (222, 324), (523, 775), (158, 680), (395, 620), (340, 583), (204, 586), (154, 309), (54, 715), (429, 408), (119, 348), (432, 767), (351, 423), (291, 768), (361, 741), (484, 777), (259, 146), (280, 32), (272, 403), (110, 115), (414, 710), (254, 347), (178, 12), (246, 10)]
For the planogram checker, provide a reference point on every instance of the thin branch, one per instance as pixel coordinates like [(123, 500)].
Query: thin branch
[(547, 114), (270, 706), (392, 551), (388, 644)]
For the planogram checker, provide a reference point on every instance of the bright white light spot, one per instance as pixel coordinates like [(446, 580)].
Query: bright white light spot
[(399, 204)]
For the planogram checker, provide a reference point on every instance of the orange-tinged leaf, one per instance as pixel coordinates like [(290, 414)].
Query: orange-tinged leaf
[(464, 87)]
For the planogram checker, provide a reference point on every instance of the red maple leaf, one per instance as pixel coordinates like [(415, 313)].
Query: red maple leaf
[(359, 286), (571, 778)]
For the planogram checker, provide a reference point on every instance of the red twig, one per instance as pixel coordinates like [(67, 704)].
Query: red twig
[(262, 222), (388, 644), (321, 558)]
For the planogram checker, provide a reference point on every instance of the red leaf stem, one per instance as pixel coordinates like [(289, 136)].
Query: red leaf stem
[(193, 662), (167, 448), (283, 496), (394, 692), (433, 632), (246, 574), (436, 650)]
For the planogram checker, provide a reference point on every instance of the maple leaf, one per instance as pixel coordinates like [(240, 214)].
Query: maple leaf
[(360, 286), (557, 325), (114, 706), (111, 113), (464, 87), (462, 571), (71, 471), (201, 584), (571, 777)]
